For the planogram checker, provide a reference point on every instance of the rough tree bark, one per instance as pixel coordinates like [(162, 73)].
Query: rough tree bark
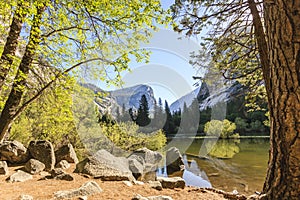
[(282, 19), (11, 43), (12, 104), (280, 58)]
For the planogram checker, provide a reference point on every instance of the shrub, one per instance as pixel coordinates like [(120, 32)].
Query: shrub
[(126, 135), (219, 128)]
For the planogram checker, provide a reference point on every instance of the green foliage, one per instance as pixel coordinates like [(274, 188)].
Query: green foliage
[(229, 48), (100, 37), (48, 118), (257, 125), (241, 124), (223, 129), (126, 135)]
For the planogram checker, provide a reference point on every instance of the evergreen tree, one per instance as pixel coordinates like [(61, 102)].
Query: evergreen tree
[(169, 126), (142, 118)]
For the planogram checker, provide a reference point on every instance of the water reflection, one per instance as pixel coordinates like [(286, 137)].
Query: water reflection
[(192, 174), (244, 172), (223, 149)]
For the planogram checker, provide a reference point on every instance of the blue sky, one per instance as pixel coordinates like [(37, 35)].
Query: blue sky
[(168, 72)]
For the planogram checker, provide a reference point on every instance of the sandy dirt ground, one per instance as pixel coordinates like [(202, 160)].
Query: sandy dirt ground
[(44, 189)]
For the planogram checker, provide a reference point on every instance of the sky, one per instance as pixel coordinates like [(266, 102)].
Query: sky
[(168, 72)]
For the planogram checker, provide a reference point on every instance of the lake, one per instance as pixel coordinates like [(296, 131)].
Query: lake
[(239, 164)]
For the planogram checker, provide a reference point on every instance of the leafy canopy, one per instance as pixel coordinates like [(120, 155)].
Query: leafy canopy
[(227, 38)]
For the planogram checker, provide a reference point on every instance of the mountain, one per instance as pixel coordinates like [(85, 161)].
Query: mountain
[(207, 98), (129, 97), (187, 99)]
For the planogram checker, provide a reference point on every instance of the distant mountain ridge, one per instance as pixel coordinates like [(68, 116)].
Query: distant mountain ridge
[(129, 97), (207, 98)]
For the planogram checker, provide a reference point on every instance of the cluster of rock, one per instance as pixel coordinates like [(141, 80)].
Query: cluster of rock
[(39, 156), (138, 168)]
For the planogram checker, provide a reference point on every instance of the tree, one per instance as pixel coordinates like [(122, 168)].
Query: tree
[(10, 47), (142, 118), (96, 36), (259, 40), (159, 118), (169, 126), (223, 129)]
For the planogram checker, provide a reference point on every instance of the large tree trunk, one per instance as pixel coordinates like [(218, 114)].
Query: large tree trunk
[(11, 43), (12, 104), (282, 19)]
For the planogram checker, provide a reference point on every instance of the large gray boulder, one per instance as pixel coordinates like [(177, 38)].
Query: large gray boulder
[(174, 162), (150, 157), (105, 166), (19, 176), (136, 166), (145, 168), (43, 151), (13, 152), (34, 166), (171, 183), (86, 189), (3, 168), (67, 153)]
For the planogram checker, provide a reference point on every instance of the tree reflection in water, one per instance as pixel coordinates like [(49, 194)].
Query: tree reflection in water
[(223, 148)]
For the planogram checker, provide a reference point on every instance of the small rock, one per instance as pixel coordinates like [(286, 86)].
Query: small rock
[(128, 183), (138, 182), (25, 197), (155, 185), (3, 168), (253, 197), (161, 197), (60, 174), (43, 173), (171, 183), (43, 151), (34, 166), (67, 153), (86, 189), (13, 152), (139, 197), (83, 198), (235, 192), (63, 164), (19, 176)]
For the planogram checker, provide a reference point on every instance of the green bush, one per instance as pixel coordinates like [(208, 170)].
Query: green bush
[(126, 136), (241, 124), (223, 129)]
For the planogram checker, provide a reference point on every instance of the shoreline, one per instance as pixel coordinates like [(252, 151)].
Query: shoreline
[(191, 136)]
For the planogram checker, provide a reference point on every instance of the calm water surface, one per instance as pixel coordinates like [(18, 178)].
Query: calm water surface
[(231, 164)]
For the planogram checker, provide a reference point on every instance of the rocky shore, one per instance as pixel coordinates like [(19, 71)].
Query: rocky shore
[(40, 172)]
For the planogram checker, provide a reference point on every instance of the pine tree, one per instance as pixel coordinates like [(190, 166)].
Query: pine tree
[(143, 112), (169, 125)]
